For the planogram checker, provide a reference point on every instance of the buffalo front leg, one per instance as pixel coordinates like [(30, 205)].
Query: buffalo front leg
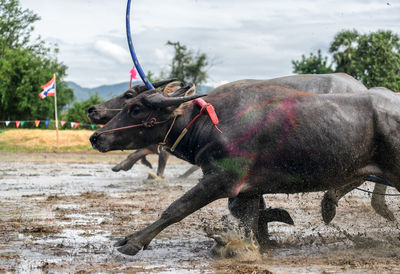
[(131, 159), (188, 172), (162, 162), (206, 191)]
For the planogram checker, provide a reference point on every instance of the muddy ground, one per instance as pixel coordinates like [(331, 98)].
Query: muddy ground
[(63, 212)]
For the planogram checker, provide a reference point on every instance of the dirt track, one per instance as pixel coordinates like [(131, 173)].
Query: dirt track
[(63, 212)]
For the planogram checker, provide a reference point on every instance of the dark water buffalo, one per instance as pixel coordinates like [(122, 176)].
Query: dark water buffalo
[(331, 197), (104, 112), (275, 139), (314, 83)]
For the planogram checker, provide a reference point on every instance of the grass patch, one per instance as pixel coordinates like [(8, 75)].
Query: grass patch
[(43, 140)]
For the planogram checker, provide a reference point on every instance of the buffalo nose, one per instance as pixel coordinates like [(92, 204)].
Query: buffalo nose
[(93, 139), (91, 110)]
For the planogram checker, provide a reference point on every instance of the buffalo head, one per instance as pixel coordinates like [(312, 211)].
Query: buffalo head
[(104, 112), (143, 121)]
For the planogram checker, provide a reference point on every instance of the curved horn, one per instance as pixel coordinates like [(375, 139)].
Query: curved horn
[(159, 100), (142, 88)]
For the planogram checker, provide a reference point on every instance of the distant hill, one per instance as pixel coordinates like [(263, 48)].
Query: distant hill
[(108, 91)]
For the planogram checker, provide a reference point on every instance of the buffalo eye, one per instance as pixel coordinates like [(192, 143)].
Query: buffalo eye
[(129, 95), (135, 109)]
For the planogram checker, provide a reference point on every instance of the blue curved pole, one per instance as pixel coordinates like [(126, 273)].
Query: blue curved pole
[(132, 49)]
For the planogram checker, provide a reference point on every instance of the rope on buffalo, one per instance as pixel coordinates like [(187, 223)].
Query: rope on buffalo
[(371, 192)]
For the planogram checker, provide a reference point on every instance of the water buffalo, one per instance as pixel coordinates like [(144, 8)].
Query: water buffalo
[(275, 139), (314, 83), (104, 112)]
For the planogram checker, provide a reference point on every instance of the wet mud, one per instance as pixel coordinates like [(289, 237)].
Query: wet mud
[(63, 213)]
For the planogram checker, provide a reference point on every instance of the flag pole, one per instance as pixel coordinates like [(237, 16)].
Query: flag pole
[(55, 108)]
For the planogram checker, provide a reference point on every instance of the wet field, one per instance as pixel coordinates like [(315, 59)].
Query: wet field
[(63, 212)]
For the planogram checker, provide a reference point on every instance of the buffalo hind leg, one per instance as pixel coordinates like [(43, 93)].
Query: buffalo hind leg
[(378, 203), (162, 162), (331, 198), (252, 211), (246, 209), (209, 189)]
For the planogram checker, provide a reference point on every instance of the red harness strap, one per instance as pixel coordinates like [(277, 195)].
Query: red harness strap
[(204, 107)]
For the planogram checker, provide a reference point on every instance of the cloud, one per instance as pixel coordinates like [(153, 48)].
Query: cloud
[(112, 50), (245, 39)]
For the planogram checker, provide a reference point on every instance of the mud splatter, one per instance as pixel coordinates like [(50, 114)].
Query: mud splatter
[(53, 221)]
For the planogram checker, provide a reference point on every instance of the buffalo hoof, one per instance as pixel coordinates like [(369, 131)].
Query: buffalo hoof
[(116, 168), (383, 210), (129, 249), (146, 162), (124, 165), (275, 215), (328, 207), (129, 246), (153, 176)]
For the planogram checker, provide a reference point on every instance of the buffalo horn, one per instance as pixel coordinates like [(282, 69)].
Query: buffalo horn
[(141, 88), (159, 100)]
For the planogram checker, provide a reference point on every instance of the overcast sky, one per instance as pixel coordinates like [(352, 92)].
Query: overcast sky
[(244, 39)]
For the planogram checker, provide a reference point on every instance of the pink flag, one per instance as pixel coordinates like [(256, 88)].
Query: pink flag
[(133, 73), (62, 123), (37, 122)]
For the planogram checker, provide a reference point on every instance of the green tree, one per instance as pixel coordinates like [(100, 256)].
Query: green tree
[(343, 49), (188, 66), (372, 58), (376, 61), (314, 64), (25, 65), (77, 113), (15, 25)]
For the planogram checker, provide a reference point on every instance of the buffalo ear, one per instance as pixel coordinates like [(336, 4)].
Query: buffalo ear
[(191, 91), (172, 87), (188, 90)]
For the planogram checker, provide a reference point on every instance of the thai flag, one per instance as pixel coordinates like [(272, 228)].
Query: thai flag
[(49, 89)]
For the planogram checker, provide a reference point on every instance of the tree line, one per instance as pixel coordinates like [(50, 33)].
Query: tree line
[(25, 65), (373, 58)]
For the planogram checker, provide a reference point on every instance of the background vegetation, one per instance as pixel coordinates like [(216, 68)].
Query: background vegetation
[(25, 65), (373, 58)]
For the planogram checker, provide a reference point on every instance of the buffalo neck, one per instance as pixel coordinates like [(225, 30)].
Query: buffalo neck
[(199, 142)]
